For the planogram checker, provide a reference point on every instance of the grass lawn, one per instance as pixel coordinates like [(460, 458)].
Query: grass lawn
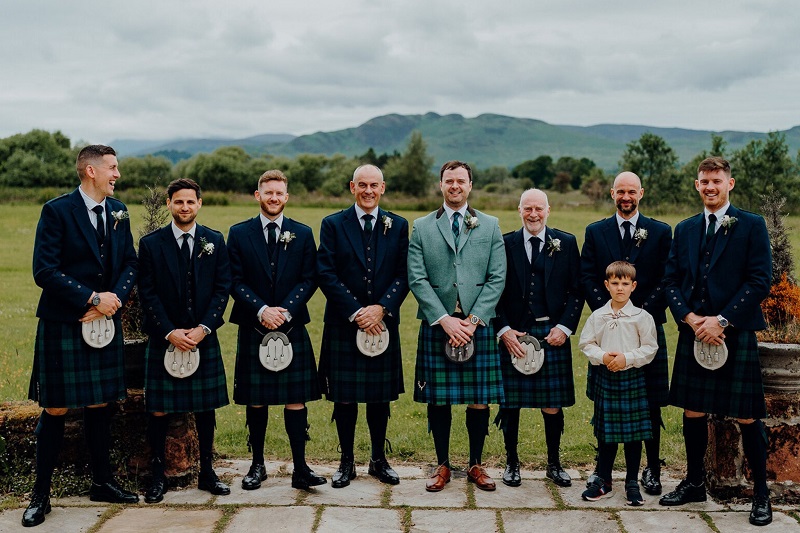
[(408, 425)]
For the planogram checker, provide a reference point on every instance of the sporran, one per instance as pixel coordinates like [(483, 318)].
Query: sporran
[(275, 352), (372, 345), (460, 354), (99, 332), (534, 356), (710, 356), (180, 364)]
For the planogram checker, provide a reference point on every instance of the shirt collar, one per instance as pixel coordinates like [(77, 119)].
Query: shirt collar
[(178, 233), (449, 210), (90, 203), (627, 310), (634, 220), (265, 221), (719, 214), (541, 235), (360, 212)]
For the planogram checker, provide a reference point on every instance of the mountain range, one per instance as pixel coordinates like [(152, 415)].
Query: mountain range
[(486, 140)]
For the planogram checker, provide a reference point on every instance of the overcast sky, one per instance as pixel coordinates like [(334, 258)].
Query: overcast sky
[(101, 70)]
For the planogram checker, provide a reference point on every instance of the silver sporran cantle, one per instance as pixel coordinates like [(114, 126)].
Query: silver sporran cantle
[(534, 356), (710, 356), (275, 352), (99, 332), (460, 354), (180, 364), (372, 345)]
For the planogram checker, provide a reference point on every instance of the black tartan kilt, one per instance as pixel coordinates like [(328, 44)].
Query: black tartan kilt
[(255, 385), (347, 375), (439, 381), (621, 410), (735, 390), (205, 390), (656, 374), (552, 386), (67, 372)]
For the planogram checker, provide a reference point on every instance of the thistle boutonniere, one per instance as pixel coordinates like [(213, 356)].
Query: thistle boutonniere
[(119, 215), (471, 222), (387, 223), (205, 247), (727, 223), (640, 235), (553, 245), (287, 237)]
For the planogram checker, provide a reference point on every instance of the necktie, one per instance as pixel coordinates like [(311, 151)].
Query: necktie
[(535, 242), (272, 239), (455, 226), (185, 252), (367, 225), (101, 224), (712, 225), (626, 235)]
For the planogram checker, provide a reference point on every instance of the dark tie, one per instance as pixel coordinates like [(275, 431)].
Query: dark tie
[(101, 224), (535, 242), (626, 236), (712, 224), (367, 225), (455, 226), (187, 255)]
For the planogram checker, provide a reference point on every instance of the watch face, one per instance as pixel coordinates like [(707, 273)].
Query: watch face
[(96, 300), (474, 319)]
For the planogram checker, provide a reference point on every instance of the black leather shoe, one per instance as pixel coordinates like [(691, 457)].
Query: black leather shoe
[(685, 492), (380, 469), (39, 506), (343, 475), (558, 475), (306, 478), (211, 483), (651, 482), (111, 492), (157, 490), (761, 512), (511, 476), (254, 477)]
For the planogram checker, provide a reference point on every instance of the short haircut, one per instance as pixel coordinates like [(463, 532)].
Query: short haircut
[(621, 270), (272, 175), (450, 165), (183, 183), (89, 155), (712, 164)]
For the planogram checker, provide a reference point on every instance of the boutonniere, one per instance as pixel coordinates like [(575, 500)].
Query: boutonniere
[(471, 222), (205, 247), (727, 223), (286, 237), (387, 223), (119, 215), (553, 245), (640, 235)]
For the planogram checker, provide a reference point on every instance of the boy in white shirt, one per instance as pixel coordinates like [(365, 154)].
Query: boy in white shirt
[(620, 339)]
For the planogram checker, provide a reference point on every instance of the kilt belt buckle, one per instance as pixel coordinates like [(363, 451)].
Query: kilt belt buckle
[(534, 356), (99, 332), (181, 364), (372, 345), (460, 354), (710, 356), (275, 352)]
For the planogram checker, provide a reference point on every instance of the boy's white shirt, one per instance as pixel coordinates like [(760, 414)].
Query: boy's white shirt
[(632, 332)]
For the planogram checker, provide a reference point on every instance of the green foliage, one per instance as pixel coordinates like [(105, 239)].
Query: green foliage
[(37, 159), (410, 173), (138, 172), (765, 167), (655, 162), (575, 170), (497, 176), (539, 171)]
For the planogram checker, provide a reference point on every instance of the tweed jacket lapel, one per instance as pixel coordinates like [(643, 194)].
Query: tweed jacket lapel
[(84, 224), (723, 237), (445, 228), (352, 229), (464, 232)]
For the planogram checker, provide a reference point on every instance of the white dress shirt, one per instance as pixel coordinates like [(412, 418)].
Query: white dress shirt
[(630, 331)]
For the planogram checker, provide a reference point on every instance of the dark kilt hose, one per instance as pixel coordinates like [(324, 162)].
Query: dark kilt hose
[(67, 372), (735, 390), (346, 375), (255, 385), (621, 412), (439, 381), (205, 390)]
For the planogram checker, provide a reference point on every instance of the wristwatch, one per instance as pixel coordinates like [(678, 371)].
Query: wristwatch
[(96, 300), (723, 321), (206, 329), (473, 319)]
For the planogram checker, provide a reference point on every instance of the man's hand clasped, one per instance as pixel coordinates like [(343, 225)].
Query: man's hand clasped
[(108, 306), (369, 319), (460, 331)]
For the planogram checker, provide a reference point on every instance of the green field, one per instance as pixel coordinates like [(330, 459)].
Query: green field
[(408, 425)]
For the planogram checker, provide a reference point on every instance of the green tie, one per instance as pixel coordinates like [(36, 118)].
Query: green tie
[(712, 224), (455, 226)]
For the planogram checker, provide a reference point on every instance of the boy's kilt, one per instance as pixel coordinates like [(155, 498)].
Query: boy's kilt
[(552, 386), (347, 375), (439, 381), (205, 390), (621, 411), (735, 390), (255, 385), (67, 372)]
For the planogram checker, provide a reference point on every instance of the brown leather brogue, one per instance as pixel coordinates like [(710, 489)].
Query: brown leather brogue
[(477, 474), (440, 478)]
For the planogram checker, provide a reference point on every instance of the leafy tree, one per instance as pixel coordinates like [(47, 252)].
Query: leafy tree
[(493, 175), (539, 171), (37, 159), (655, 162), (225, 169), (562, 182), (371, 158), (308, 169), (596, 185), (144, 171), (410, 173), (765, 167), (575, 168)]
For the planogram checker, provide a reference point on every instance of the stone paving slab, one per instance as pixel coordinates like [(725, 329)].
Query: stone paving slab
[(411, 492), (162, 519), (186, 496), (430, 521), (739, 522), (59, 520), (362, 491), (681, 522), (572, 497), (350, 519), (272, 519), (559, 522), (530, 494), (273, 491)]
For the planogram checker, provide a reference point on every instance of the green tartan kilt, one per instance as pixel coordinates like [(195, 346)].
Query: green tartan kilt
[(552, 386), (255, 385), (735, 390), (67, 372), (621, 411), (205, 390), (440, 381), (347, 375), (656, 375)]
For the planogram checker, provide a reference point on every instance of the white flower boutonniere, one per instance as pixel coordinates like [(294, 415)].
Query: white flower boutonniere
[(553, 245), (640, 235), (471, 222), (205, 247), (286, 237), (119, 215), (727, 223), (387, 223)]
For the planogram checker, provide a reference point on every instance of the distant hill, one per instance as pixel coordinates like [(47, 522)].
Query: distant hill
[(254, 145), (486, 140)]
